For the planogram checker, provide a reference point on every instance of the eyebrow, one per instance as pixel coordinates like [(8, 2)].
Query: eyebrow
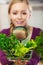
[(17, 11)]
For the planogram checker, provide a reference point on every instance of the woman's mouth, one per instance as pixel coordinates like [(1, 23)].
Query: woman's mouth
[(19, 22)]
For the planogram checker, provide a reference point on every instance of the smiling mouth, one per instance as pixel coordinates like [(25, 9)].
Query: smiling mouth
[(19, 22)]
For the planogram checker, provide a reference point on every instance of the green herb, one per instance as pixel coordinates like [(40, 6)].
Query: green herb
[(12, 46), (39, 42)]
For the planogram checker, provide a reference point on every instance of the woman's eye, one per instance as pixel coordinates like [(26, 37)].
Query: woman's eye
[(24, 13), (14, 13)]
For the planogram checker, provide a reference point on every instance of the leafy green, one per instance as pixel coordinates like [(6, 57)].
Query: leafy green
[(12, 46), (20, 49), (39, 42)]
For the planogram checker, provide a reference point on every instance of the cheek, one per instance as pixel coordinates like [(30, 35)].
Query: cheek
[(25, 17), (25, 22), (13, 17)]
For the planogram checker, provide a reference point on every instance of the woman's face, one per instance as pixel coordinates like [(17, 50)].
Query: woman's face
[(19, 14)]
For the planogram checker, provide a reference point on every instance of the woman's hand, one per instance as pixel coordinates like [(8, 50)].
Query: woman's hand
[(20, 62), (40, 63), (0, 63)]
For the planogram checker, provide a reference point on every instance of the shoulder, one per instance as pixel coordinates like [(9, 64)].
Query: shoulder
[(34, 29), (35, 32), (6, 31), (38, 29)]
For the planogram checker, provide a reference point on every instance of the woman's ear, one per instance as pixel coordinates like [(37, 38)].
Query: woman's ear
[(30, 11), (30, 14)]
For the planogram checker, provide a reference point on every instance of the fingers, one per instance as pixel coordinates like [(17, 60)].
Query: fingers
[(25, 62), (20, 62)]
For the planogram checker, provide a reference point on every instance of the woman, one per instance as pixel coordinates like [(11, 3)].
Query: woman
[(19, 12)]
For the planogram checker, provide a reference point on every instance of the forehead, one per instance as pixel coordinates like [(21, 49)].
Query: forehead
[(19, 6)]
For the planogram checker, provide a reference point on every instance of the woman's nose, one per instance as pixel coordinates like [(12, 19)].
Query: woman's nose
[(19, 16)]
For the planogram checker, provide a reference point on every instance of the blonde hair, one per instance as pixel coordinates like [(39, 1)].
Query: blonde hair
[(10, 5)]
